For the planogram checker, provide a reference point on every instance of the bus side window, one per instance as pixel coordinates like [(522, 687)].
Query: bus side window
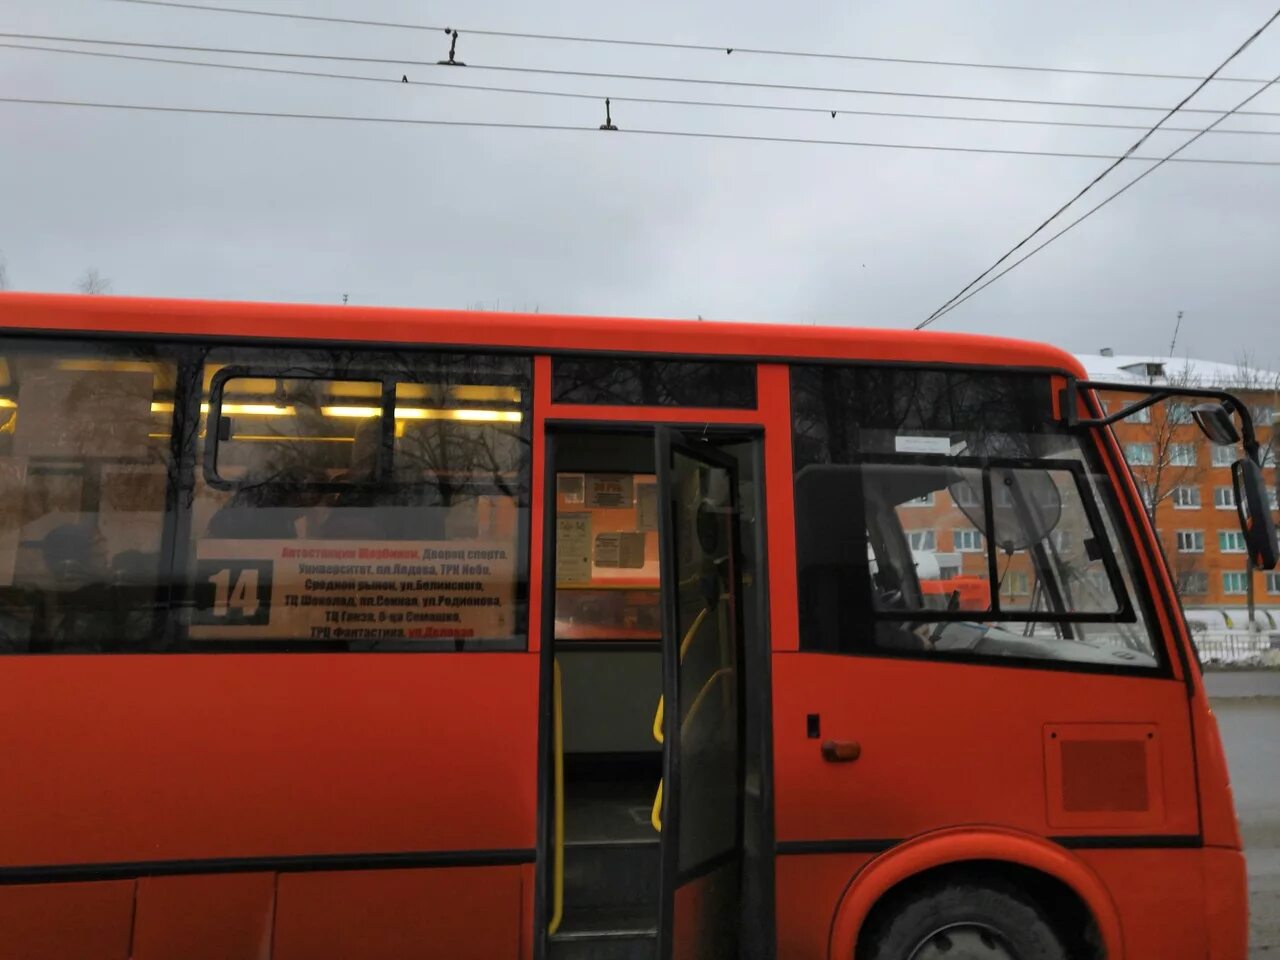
[(948, 514), (360, 500), (84, 465)]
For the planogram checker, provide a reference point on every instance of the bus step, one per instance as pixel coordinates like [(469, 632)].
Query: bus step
[(611, 874), (605, 934)]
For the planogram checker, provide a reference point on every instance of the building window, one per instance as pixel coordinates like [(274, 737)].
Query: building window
[(1273, 498), (1182, 454), (1235, 584), (967, 541), (1193, 583), (1224, 456), (1224, 498), (1191, 541), (925, 501), (924, 541), (1262, 416), (1140, 416), (1180, 413), (1186, 498), (1273, 582), (1231, 541), (1140, 454), (1062, 540), (1016, 584), (964, 495)]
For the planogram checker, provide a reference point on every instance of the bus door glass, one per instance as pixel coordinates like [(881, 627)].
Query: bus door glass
[(701, 806)]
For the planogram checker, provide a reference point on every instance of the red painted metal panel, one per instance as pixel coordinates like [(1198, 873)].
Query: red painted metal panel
[(57, 921), (946, 744), (173, 757), (808, 891), (543, 332), (784, 606), (463, 913), (226, 917), (1160, 895)]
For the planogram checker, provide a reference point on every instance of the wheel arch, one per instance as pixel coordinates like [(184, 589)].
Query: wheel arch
[(981, 848)]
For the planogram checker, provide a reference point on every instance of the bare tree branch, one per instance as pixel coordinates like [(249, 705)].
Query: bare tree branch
[(93, 283)]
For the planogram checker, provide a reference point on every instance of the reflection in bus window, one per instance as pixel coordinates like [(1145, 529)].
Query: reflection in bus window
[(1022, 561), (84, 463), (362, 501)]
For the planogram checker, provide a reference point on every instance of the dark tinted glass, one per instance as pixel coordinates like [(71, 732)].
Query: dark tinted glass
[(947, 514), (84, 469), (654, 383)]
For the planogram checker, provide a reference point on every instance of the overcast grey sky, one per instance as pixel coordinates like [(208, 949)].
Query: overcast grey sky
[(618, 224)]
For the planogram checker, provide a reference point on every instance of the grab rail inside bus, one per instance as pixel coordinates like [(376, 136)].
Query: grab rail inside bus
[(557, 747), (655, 815)]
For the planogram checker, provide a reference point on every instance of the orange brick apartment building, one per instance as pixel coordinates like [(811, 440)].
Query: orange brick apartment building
[(1187, 480)]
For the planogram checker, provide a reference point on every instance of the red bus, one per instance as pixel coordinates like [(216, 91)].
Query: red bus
[(346, 632)]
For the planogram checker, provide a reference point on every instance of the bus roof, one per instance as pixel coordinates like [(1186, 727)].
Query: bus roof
[(41, 312)]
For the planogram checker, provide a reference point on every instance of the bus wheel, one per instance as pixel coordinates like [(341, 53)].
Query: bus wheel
[(960, 921)]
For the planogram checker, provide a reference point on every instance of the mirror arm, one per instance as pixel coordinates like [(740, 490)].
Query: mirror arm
[(1154, 394)]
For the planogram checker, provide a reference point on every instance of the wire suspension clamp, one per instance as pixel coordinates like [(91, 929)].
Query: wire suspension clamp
[(453, 60), (608, 118)]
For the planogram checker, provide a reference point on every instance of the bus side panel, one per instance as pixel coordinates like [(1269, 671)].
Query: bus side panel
[(124, 759), (809, 888), (463, 913), (226, 917), (1160, 897), (944, 744), (57, 921)]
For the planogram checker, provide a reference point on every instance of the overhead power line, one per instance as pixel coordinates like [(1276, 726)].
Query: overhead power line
[(1125, 156), (600, 75), (687, 134), (665, 101), (1171, 158), (694, 47)]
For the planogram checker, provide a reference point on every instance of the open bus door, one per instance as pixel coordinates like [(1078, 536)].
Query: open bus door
[(699, 807)]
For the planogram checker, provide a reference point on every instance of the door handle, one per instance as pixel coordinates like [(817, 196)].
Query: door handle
[(841, 751)]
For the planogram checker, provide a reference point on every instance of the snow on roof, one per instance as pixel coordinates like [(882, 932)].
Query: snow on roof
[(1188, 371)]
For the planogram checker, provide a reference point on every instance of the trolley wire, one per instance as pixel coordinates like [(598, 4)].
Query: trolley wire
[(686, 134), (1119, 160), (1170, 158), (648, 78), (728, 105), (698, 47)]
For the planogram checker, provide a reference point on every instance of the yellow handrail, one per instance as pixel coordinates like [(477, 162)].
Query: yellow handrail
[(697, 701), (557, 745), (655, 815), (684, 648)]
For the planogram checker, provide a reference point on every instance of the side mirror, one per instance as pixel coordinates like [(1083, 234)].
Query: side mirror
[(1255, 513), (1215, 423)]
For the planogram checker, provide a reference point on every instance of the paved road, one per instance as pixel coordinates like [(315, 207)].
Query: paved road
[(1247, 705)]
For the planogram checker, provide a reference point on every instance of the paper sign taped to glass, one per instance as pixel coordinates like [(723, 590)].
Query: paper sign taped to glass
[(343, 590)]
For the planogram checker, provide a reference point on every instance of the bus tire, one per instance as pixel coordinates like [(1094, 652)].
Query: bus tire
[(952, 920)]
